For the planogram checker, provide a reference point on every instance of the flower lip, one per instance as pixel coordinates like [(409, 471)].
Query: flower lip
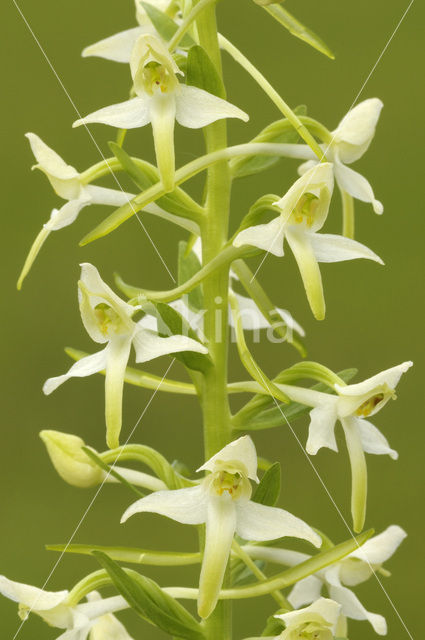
[(238, 456)]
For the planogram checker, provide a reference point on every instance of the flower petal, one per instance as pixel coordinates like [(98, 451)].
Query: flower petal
[(329, 247), (59, 218), (357, 129), (49, 161), (118, 47), (358, 471), (124, 115), (241, 450), (389, 377), (196, 108), (162, 116), (188, 506), (276, 555), (353, 608), (102, 195), (30, 596), (118, 353), (219, 532), (321, 431), (373, 441), (381, 547), (302, 249), (259, 522), (356, 185), (268, 237), (327, 609), (84, 367), (149, 345), (305, 591)]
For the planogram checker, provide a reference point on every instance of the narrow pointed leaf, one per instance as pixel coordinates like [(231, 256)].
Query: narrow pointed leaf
[(111, 471), (165, 25), (280, 131), (268, 491), (150, 602), (202, 73), (297, 29), (170, 322)]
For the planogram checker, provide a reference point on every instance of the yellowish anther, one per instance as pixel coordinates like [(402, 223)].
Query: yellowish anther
[(368, 406), (107, 318), (305, 209)]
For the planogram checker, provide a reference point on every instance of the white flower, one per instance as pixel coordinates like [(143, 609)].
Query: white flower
[(94, 617), (304, 209), (354, 569), (75, 467), (222, 502), (350, 141), (351, 405), (161, 100), (316, 622), (67, 183), (119, 47), (108, 319)]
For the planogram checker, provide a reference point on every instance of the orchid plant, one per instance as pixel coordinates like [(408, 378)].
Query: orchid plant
[(174, 56)]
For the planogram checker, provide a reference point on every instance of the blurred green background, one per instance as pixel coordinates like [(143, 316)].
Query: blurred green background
[(374, 317)]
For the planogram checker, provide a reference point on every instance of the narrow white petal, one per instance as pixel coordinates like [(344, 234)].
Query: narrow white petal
[(242, 451), (259, 522), (30, 596), (381, 547), (49, 160), (124, 115), (329, 247), (149, 345), (84, 367), (358, 471), (305, 591), (353, 608), (188, 506), (276, 555), (358, 126), (306, 166), (196, 108), (112, 197), (373, 441), (96, 606), (309, 397), (162, 117), (268, 237), (356, 185), (388, 377), (109, 628), (117, 48), (321, 431), (118, 353), (219, 532), (309, 269)]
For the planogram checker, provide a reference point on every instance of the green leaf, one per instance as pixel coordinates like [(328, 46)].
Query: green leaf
[(268, 490), (132, 554), (202, 73), (144, 175), (280, 131), (170, 322), (150, 602), (277, 416), (111, 471), (165, 25), (260, 212), (188, 265), (297, 29)]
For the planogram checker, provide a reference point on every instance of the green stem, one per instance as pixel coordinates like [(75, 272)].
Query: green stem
[(187, 22), (239, 57), (214, 233)]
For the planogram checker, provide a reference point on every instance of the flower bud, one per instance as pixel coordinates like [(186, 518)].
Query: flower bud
[(69, 460)]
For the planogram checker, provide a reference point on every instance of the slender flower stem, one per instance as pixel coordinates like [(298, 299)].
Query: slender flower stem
[(187, 23), (273, 95), (214, 233)]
